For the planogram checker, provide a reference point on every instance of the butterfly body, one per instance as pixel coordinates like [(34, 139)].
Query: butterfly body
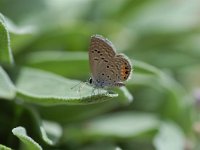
[(108, 69), (102, 83)]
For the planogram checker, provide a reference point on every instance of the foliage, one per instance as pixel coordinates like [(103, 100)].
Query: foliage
[(44, 102)]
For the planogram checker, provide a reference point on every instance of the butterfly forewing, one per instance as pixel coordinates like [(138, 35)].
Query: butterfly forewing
[(100, 52)]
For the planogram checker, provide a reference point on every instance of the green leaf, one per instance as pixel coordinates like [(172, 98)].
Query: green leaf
[(152, 19), (98, 146), (117, 125), (51, 132), (80, 112), (7, 89), (123, 124), (29, 143), (45, 88), (18, 30), (5, 49), (177, 103), (67, 62), (2, 147), (148, 75), (20, 35), (48, 131), (170, 137), (125, 97)]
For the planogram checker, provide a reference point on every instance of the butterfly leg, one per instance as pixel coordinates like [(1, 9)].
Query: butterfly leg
[(93, 92)]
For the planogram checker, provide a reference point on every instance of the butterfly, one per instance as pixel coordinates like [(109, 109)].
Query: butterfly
[(108, 69)]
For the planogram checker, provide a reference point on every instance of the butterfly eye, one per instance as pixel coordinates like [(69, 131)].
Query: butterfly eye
[(90, 80)]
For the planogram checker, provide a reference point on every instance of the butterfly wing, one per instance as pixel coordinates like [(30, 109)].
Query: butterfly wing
[(107, 67), (124, 66), (100, 52), (115, 71)]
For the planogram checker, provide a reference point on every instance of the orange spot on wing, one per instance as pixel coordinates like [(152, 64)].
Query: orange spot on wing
[(124, 71)]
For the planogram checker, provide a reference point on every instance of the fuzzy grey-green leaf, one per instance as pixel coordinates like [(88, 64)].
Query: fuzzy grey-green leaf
[(120, 125), (170, 137), (5, 49), (45, 88), (7, 89), (49, 60), (50, 132), (3, 147), (125, 124), (53, 129), (30, 144)]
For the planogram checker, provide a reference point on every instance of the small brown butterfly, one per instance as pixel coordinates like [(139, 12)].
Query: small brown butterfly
[(108, 69)]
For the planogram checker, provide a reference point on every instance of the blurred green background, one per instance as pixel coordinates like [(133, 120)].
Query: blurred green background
[(158, 109)]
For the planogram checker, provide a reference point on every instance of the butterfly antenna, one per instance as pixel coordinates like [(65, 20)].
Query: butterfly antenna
[(76, 85), (81, 84)]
